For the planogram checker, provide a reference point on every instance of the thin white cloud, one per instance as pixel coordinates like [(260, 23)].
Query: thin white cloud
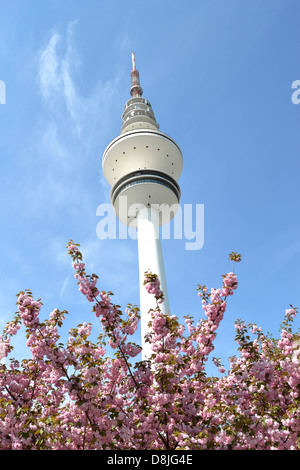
[(55, 148), (55, 78), (59, 64), (71, 125), (64, 286), (48, 73)]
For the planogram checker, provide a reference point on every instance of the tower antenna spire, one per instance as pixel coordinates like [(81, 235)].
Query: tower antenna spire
[(133, 61), (136, 89)]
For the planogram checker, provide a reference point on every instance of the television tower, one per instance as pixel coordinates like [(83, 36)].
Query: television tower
[(142, 165)]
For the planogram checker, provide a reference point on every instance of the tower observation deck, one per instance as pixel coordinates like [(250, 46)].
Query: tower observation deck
[(142, 165)]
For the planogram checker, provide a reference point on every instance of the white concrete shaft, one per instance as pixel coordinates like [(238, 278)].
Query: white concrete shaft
[(150, 258)]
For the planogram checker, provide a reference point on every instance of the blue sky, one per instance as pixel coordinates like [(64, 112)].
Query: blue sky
[(218, 75)]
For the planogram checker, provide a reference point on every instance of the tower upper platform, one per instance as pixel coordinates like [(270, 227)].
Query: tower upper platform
[(142, 163)]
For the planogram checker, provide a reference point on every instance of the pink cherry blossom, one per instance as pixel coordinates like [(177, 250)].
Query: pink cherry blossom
[(83, 395)]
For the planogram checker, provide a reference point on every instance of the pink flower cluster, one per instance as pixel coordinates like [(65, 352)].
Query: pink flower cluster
[(152, 285), (229, 284), (88, 287), (3, 349), (78, 397), (29, 309)]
